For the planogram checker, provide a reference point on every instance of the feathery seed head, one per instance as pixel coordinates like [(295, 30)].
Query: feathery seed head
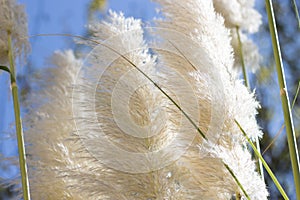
[(128, 133), (13, 21), (50, 127), (207, 29), (241, 14)]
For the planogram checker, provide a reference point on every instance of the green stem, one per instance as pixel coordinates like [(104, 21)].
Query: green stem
[(296, 12), (276, 182), (296, 95), (19, 131), (236, 180), (293, 150), (247, 84), (242, 58)]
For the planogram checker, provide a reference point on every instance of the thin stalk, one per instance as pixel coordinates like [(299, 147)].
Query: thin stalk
[(247, 84), (276, 182), (19, 131), (242, 58), (288, 118), (282, 126), (274, 139), (296, 95), (296, 12), (237, 181)]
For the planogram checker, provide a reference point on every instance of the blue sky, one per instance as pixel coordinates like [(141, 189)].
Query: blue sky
[(68, 16)]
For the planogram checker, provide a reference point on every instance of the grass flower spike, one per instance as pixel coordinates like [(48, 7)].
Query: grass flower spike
[(51, 151), (132, 115), (206, 28), (241, 18), (13, 22), (241, 14)]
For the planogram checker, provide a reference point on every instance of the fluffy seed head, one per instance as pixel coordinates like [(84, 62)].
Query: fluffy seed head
[(49, 128), (115, 108), (241, 14), (13, 21)]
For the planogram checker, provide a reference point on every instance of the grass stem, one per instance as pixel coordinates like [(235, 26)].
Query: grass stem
[(18, 122), (293, 150), (273, 177), (296, 13), (242, 58), (296, 95), (282, 126)]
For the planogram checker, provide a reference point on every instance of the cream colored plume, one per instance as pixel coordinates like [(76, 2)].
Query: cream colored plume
[(106, 128), (13, 20), (49, 127), (241, 14), (222, 97)]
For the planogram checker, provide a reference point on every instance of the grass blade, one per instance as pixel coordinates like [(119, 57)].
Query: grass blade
[(296, 12), (282, 126), (242, 58), (296, 95), (281, 190), (236, 180), (4, 68), (293, 150)]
